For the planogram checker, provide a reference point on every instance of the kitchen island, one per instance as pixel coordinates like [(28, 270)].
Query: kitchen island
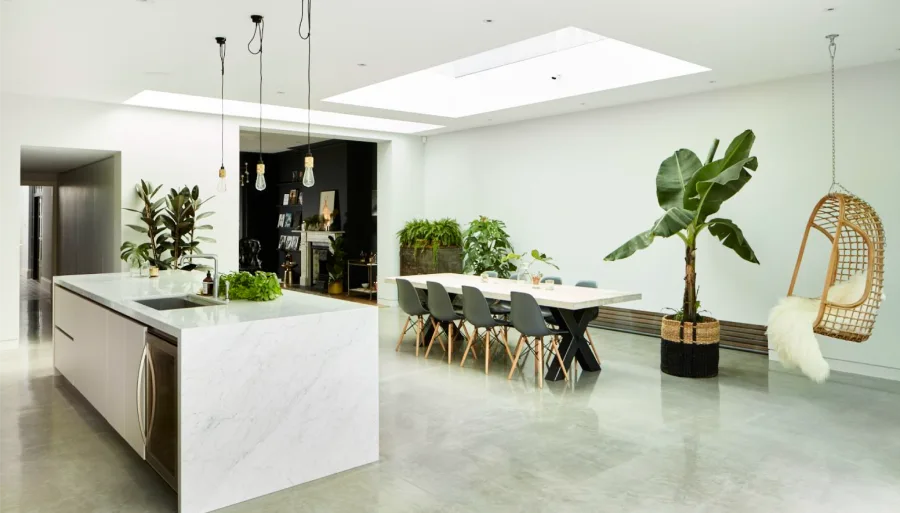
[(256, 396)]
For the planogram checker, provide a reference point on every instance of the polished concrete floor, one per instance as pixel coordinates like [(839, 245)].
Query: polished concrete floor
[(455, 440)]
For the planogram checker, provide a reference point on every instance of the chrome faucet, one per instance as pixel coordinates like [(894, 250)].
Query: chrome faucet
[(215, 260)]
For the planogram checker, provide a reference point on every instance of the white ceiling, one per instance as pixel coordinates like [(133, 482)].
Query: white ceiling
[(109, 50), (274, 142), (37, 159)]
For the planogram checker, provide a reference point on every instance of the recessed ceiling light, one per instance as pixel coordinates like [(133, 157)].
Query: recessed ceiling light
[(361, 64), (209, 105), (516, 74), (279, 92), (582, 104), (487, 20), (712, 81), (830, 9)]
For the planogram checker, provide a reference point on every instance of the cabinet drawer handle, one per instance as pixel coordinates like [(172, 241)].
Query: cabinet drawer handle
[(70, 337), (140, 381)]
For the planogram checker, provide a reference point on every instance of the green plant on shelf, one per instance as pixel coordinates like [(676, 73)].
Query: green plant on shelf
[(420, 234), (259, 286), (312, 222), (337, 259)]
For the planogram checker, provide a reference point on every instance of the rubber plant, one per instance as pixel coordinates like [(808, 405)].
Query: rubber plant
[(485, 243), (151, 217), (180, 219), (336, 260), (689, 192), (196, 204)]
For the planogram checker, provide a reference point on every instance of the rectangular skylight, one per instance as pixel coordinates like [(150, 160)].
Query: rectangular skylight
[(207, 105), (521, 74)]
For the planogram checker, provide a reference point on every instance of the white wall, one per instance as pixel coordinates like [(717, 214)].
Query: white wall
[(89, 213), (23, 211), (577, 186)]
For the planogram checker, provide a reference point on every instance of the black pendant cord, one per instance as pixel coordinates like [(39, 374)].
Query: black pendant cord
[(222, 95), (306, 9), (259, 29)]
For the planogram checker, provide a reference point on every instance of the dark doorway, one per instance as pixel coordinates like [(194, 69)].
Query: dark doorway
[(34, 248)]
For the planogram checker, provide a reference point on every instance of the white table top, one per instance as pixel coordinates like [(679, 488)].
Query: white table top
[(567, 297)]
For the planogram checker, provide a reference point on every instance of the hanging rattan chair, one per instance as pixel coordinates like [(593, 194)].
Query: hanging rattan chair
[(857, 246)]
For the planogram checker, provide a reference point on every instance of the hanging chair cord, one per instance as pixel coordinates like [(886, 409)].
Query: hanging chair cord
[(835, 186)]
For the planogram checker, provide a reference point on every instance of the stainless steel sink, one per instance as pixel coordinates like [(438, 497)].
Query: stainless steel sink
[(176, 303)]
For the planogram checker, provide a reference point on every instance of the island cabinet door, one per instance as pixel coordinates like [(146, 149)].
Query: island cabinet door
[(65, 315), (90, 341), (126, 379)]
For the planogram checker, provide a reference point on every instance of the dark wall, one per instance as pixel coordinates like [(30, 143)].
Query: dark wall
[(348, 167)]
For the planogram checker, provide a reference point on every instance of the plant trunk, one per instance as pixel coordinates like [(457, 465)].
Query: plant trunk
[(689, 305)]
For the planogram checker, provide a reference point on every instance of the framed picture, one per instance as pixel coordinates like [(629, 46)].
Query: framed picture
[(280, 220), (288, 218), (298, 219), (294, 196), (286, 199), (281, 242), (327, 202), (300, 198), (374, 202)]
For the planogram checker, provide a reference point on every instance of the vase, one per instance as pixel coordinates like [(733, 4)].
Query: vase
[(536, 280)]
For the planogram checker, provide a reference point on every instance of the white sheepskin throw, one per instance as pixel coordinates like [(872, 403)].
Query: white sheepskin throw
[(791, 327)]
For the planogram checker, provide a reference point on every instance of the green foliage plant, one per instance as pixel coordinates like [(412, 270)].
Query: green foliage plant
[(535, 257), (420, 234), (259, 286), (485, 243), (337, 260), (690, 192), (151, 216)]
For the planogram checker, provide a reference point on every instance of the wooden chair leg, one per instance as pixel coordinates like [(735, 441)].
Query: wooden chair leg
[(403, 332), (468, 346), (433, 336), (515, 362), (451, 336), (487, 350), (420, 335), (506, 345), (540, 359), (591, 343), (555, 347)]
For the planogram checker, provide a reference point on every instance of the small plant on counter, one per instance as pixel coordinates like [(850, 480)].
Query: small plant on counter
[(150, 215), (135, 254), (485, 243), (260, 286)]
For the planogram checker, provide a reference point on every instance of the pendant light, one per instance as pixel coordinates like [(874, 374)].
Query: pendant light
[(222, 186), (259, 27), (309, 179)]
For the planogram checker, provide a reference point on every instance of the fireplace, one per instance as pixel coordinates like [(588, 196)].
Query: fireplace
[(318, 258)]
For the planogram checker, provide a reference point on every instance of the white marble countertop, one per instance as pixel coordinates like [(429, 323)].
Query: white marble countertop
[(119, 291)]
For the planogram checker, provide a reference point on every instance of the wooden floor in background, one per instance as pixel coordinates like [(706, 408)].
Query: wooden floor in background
[(355, 298)]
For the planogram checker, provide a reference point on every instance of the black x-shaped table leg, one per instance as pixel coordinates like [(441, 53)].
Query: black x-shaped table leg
[(573, 344)]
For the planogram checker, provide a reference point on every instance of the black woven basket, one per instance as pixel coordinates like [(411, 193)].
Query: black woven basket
[(689, 360)]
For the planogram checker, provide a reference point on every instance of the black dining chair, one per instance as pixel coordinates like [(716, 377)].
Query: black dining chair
[(479, 315), (443, 317), (411, 304), (528, 320), (593, 285)]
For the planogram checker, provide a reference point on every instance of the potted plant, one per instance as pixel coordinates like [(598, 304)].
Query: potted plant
[(151, 217), (311, 223), (536, 256), (136, 255), (690, 192), (442, 237), (485, 244), (337, 261)]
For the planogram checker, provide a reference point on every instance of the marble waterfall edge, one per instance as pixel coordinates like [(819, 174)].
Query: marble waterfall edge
[(270, 404)]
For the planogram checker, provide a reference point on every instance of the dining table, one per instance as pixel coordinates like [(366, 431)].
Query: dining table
[(573, 308)]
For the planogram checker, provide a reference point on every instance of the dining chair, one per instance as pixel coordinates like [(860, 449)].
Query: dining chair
[(443, 317), (411, 304), (528, 320), (479, 315), (593, 285)]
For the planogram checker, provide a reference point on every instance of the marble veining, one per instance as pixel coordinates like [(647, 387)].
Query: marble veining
[(270, 404)]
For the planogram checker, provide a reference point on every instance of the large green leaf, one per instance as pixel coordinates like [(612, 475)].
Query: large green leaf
[(672, 222), (738, 151), (714, 191), (203, 215), (639, 241), (137, 228), (732, 237), (740, 147), (673, 176)]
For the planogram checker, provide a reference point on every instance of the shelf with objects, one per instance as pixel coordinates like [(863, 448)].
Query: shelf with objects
[(370, 286)]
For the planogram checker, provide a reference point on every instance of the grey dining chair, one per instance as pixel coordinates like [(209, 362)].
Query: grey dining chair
[(593, 285), (479, 315), (443, 317), (528, 320), (411, 304)]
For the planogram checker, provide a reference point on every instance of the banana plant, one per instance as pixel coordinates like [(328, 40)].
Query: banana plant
[(690, 192)]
